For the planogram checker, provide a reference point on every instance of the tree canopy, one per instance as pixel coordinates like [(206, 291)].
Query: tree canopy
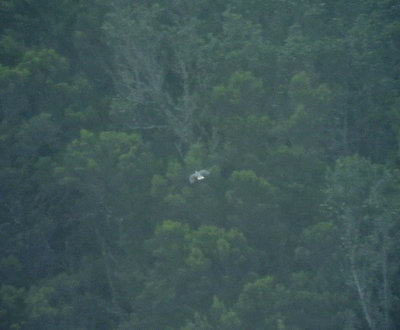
[(107, 108)]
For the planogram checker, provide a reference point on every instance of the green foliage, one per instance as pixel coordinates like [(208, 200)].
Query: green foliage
[(109, 171), (260, 303), (107, 107), (243, 91), (12, 307), (190, 267)]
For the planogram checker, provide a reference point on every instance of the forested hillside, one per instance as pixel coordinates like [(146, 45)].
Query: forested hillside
[(107, 107)]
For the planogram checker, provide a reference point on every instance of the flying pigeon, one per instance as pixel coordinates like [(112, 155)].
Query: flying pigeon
[(198, 175)]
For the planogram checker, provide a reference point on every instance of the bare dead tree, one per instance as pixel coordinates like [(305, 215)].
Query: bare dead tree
[(145, 59)]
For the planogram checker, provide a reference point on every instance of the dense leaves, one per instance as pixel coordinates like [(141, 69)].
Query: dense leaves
[(107, 107)]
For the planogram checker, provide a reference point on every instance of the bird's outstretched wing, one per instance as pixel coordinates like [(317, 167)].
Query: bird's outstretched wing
[(204, 172)]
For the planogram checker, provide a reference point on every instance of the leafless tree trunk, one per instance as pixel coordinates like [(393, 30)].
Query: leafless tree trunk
[(367, 254)]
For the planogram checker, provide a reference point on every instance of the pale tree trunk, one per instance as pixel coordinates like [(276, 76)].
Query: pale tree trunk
[(367, 257), (352, 245), (360, 291), (385, 275)]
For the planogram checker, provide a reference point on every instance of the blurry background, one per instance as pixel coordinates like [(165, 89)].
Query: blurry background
[(106, 108)]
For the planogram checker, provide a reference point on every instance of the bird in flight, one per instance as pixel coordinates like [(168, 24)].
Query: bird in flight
[(198, 175)]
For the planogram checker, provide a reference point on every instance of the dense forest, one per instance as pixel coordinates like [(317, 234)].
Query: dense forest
[(107, 108)]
